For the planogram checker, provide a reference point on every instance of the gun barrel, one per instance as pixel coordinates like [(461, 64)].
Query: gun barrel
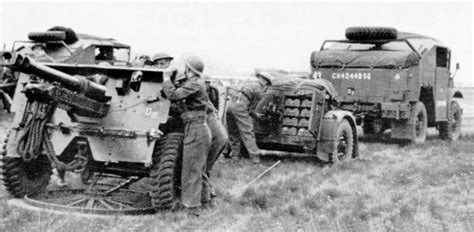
[(74, 83)]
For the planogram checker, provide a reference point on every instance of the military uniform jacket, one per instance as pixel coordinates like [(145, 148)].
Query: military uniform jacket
[(252, 90), (193, 91)]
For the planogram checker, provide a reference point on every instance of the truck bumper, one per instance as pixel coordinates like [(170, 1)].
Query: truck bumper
[(395, 110)]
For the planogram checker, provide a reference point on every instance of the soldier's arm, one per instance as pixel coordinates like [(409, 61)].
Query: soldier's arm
[(176, 94)]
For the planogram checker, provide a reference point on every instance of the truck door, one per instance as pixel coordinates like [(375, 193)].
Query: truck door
[(441, 82)]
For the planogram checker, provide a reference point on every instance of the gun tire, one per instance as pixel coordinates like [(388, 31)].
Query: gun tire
[(46, 36), (25, 178), (166, 170), (371, 33), (451, 129), (344, 145)]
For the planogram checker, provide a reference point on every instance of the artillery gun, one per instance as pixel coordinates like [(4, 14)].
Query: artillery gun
[(95, 121), (64, 45)]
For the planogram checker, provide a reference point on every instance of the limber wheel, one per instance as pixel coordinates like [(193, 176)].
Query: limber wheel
[(451, 129), (166, 171), (344, 145), (420, 125)]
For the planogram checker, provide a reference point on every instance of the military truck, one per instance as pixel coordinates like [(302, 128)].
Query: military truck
[(64, 45), (298, 116), (392, 80), (100, 122)]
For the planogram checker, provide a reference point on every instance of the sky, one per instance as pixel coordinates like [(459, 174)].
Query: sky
[(236, 38)]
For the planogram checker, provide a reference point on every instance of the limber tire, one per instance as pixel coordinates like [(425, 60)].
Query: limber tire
[(166, 171), (371, 33), (46, 36), (451, 129), (344, 145), (25, 178), (420, 125)]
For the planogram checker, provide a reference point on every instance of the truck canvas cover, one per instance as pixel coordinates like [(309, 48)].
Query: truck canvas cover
[(363, 59)]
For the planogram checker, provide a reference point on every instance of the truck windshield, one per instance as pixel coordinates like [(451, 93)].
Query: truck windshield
[(354, 46), (117, 55), (422, 45)]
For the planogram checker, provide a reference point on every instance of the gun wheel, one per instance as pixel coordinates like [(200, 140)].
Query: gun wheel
[(166, 171), (25, 178)]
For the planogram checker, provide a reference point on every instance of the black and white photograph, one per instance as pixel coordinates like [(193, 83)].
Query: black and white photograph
[(236, 116)]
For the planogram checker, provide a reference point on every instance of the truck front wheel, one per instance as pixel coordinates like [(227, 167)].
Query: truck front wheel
[(420, 124), (451, 129)]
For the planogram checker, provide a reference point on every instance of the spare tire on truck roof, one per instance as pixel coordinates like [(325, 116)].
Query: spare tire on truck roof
[(371, 33), (71, 36), (46, 36)]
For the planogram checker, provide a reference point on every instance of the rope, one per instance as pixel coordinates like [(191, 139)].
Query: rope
[(35, 139), (30, 143)]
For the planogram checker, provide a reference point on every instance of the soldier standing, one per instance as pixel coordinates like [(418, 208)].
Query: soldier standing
[(197, 135), (239, 123), (220, 138)]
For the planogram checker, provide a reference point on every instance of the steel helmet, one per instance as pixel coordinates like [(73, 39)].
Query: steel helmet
[(206, 77), (161, 55), (266, 76), (195, 64)]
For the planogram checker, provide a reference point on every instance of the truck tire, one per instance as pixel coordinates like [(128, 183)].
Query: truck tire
[(166, 171), (46, 36), (371, 33), (25, 178), (420, 125), (344, 145), (71, 36), (451, 129)]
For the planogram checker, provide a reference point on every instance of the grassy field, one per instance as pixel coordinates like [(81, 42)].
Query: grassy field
[(390, 187)]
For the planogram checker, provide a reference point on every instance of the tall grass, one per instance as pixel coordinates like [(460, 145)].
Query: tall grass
[(389, 188)]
